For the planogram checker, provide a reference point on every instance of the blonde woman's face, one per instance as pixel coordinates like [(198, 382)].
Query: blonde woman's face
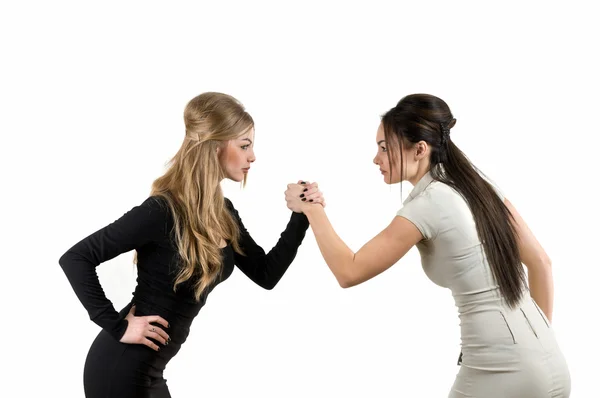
[(237, 155)]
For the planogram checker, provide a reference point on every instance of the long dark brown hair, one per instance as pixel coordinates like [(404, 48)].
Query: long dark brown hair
[(423, 117)]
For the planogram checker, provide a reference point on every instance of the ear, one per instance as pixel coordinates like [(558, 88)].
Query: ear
[(422, 149), (221, 146)]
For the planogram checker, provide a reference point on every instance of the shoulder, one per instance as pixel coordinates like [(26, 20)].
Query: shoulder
[(229, 206), (425, 209), (155, 203), (424, 202), (435, 194), (441, 194), (153, 208)]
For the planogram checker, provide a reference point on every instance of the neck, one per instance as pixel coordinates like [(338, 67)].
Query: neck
[(422, 169)]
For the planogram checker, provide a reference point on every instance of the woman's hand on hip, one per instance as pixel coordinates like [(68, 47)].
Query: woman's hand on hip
[(140, 330)]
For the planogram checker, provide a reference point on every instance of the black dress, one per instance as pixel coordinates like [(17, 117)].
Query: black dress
[(115, 369)]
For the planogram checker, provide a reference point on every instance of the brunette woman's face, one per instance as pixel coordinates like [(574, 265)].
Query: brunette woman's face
[(391, 175), (412, 156)]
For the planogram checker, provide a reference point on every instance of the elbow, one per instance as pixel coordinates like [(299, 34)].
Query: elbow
[(68, 259), (269, 285), (344, 275), (546, 262), (541, 266), (63, 260), (345, 284), (346, 281)]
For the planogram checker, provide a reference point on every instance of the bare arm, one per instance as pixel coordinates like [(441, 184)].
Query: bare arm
[(376, 256), (539, 267)]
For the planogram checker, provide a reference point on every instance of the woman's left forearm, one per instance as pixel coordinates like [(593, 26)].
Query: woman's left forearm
[(541, 286), (266, 269)]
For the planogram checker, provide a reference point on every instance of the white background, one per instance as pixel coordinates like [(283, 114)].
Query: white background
[(92, 98)]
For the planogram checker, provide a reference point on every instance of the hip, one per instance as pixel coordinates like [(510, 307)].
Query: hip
[(523, 327)]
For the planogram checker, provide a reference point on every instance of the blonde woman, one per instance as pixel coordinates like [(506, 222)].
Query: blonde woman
[(187, 239), (472, 241)]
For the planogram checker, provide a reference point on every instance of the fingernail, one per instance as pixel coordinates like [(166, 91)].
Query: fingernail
[(310, 200), (303, 199), (302, 195), (305, 189), (303, 182)]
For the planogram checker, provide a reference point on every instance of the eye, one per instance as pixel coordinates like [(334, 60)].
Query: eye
[(383, 149), (244, 147)]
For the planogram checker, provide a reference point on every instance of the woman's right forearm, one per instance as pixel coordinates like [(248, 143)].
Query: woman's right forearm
[(338, 256)]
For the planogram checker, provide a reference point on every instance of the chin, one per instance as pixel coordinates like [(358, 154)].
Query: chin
[(389, 182), (236, 178)]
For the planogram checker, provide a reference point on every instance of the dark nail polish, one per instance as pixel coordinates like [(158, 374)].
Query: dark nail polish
[(302, 182), (305, 189), (303, 199), (310, 200), (302, 195)]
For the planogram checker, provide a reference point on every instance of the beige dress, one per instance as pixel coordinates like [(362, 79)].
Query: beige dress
[(508, 353)]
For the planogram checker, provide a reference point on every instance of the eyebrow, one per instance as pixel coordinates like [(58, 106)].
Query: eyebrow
[(247, 139), (380, 142)]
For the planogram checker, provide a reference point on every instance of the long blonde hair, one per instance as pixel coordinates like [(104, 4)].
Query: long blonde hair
[(192, 190)]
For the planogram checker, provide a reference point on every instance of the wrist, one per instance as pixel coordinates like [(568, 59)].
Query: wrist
[(310, 209)]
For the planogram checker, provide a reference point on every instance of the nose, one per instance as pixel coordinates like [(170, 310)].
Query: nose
[(375, 160), (252, 157)]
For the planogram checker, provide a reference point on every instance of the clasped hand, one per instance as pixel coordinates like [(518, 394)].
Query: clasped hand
[(302, 194)]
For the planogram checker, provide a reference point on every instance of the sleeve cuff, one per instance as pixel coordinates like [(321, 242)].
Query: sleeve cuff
[(119, 330)]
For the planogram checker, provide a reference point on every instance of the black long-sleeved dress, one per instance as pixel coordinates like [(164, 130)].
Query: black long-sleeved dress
[(115, 369)]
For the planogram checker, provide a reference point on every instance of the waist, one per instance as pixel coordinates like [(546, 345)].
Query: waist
[(178, 313), (491, 322), (154, 362)]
